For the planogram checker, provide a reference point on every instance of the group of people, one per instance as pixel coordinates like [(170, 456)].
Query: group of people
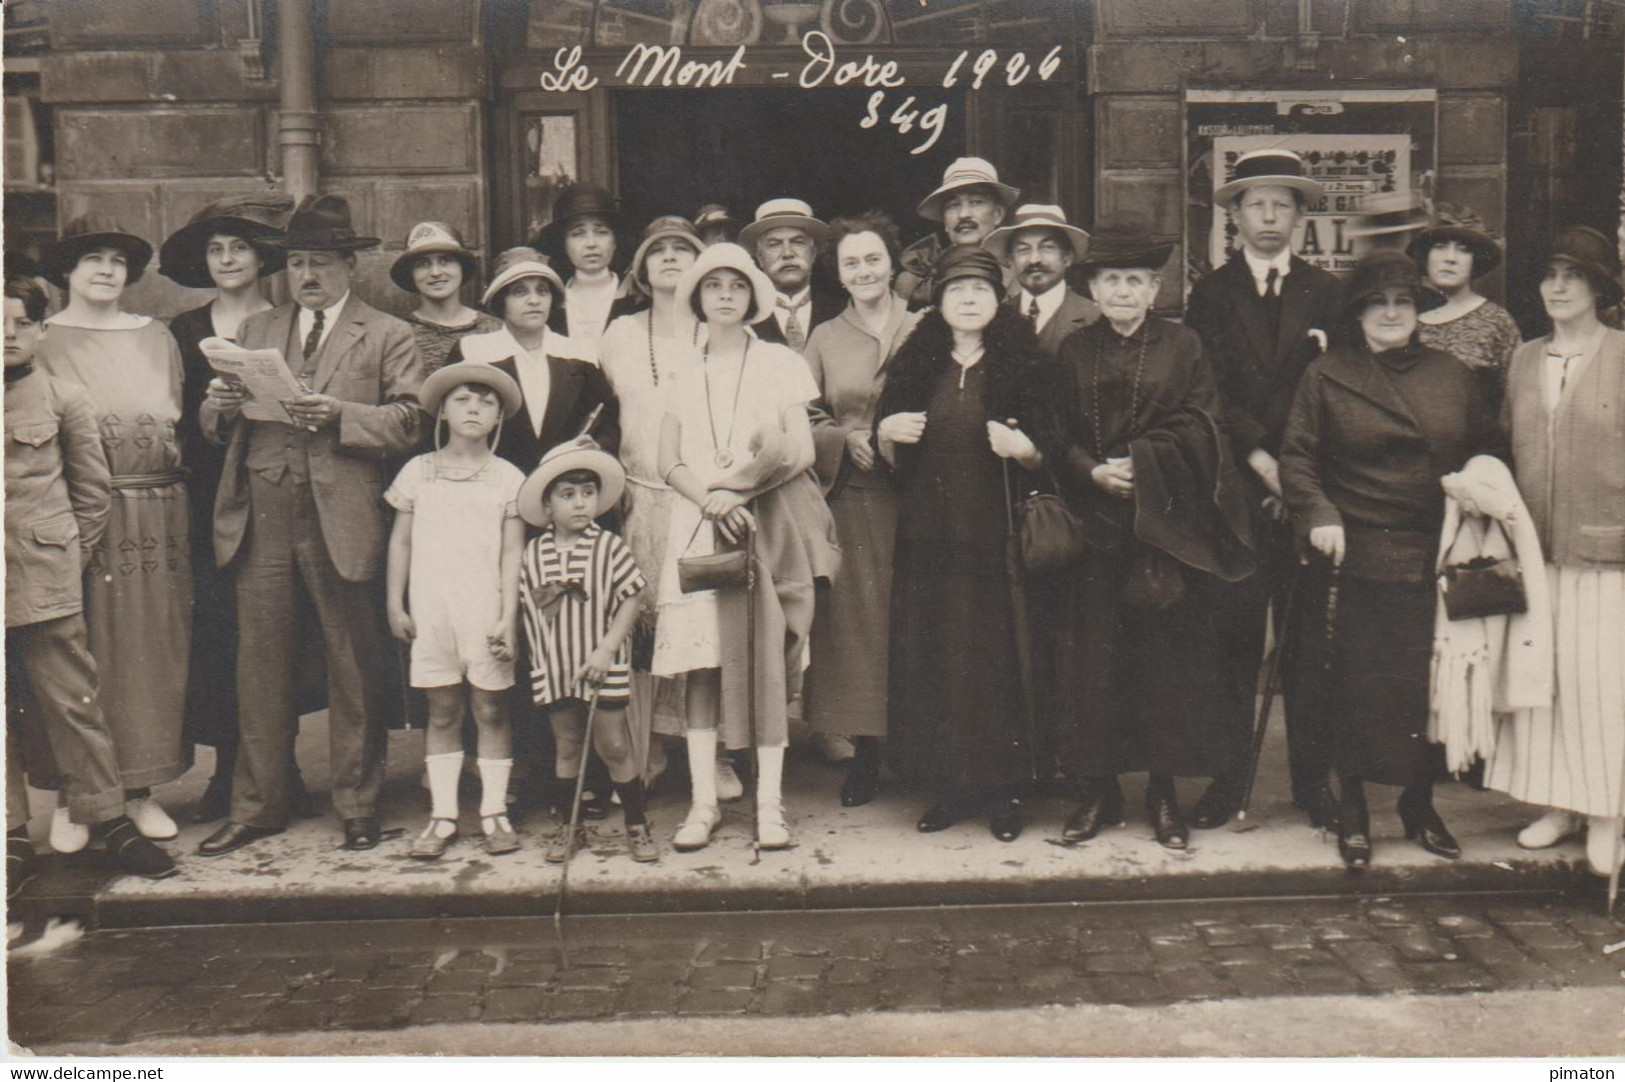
[(631, 507)]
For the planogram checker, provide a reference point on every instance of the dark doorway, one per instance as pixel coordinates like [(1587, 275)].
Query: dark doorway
[(678, 149)]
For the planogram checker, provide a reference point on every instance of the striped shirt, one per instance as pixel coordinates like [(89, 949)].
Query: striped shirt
[(601, 576)]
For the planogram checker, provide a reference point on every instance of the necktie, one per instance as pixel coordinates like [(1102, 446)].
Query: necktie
[(1032, 313), (1272, 283), (794, 336), (314, 339)]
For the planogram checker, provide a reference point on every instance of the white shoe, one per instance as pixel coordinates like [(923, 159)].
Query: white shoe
[(836, 749), (729, 787), (151, 819), (772, 832), (1603, 847), (1549, 829), (695, 833), (66, 835)]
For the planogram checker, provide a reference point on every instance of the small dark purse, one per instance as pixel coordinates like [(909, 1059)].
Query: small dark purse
[(716, 571), (1051, 535), (1483, 586)]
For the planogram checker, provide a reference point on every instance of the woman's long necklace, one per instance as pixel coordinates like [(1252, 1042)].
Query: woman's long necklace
[(1134, 395), (724, 456), (654, 369)]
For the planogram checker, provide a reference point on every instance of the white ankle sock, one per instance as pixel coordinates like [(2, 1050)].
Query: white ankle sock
[(702, 765), (443, 770), (770, 777), (494, 785)]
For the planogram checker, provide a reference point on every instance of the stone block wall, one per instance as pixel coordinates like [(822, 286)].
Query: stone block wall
[(156, 113)]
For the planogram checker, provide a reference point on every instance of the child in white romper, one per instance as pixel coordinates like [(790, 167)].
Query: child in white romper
[(456, 543)]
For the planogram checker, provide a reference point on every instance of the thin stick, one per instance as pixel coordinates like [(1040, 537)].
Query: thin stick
[(1271, 685), (575, 819), (750, 692)]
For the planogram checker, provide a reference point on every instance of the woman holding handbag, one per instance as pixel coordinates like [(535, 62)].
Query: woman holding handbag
[(1565, 400), (1376, 424), (736, 445)]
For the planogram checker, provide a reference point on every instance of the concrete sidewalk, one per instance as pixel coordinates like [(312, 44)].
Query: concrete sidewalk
[(869, 856)]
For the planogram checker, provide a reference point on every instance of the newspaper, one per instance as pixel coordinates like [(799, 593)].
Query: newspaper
[(262, 373)]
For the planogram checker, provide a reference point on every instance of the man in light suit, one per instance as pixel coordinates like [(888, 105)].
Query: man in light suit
[(785, 240), (300, 506), (1039, 245)]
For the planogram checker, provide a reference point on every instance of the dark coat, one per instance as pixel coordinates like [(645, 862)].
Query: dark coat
[(1076, 312), (1258, 373), (825, 306)]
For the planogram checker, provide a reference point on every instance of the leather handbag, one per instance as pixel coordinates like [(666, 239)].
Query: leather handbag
[(715, 571), (1051, 535), (1483, 586)]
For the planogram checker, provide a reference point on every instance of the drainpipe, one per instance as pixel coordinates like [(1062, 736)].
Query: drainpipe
[(299, 133)]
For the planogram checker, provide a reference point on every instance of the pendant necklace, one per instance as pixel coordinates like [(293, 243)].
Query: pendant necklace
[(724, 456)]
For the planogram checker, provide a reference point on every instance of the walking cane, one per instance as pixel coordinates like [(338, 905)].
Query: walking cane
[(1271, 684), (750, 692), (1613, 874), (575, 819)]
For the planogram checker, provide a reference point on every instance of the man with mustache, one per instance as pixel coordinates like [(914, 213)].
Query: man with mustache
[(311, 487), (970, 204), (1262, 318), (1039, 246), (785, 239)]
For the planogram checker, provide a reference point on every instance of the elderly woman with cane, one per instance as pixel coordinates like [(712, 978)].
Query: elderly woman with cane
[(1376, 424)]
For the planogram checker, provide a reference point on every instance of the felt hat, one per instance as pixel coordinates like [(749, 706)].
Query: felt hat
[(715, 216), (778, 214), (446, 379), (666, 226), (1036, 216), (1126, 242), (1273, 166), (1386, 268), (1387, 213), (321, 223), (1594, 254), (727, 256), (965, 261), (966, 173), (578, 200), (86, 234), (517, 263), (1461, 225), (427, 238), (256, 217), (581, 453)]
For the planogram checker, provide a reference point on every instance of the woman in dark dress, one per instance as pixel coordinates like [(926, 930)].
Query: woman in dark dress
[(1141, 459), (224, 247), (954, 720), (1377, 422)]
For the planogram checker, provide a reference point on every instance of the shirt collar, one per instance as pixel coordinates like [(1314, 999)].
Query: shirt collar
[(1049, 301), (329, 314), (798, 300), (1260, 267)]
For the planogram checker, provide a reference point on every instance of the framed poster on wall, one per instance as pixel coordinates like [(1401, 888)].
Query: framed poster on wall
[(1356, 142)]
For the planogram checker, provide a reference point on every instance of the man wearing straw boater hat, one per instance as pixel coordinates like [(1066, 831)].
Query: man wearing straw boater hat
[(1039, 246), (970, 203), (1262, 317), (785, 240), (311, 489)]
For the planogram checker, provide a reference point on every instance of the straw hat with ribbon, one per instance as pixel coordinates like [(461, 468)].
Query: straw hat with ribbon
[(1387, 213), (779, 214), (1036, 216), (728, 257), (514, 264), (444, 380), (256, 217), (966, 173), (428, 238), (581, 453), (86, 234), (1269, 166)]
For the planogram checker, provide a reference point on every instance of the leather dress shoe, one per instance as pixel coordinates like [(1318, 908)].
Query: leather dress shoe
[(1423, 825), (233, 836), (1214, 808), (939, 816), (1006, 820), (1099, 806), (1166, 822), (361, 832), (862, 779)]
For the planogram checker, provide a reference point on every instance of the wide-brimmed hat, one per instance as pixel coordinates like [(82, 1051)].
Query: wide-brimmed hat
[(1127, 242), (717, 216), (427, 238), (966, 173), (727, 256), (256, 217), (965, 261), (86, 234), (780, 214), (1036, 216), (581, 453), (1461, 225), (1387, 213), (1270, 165), (669, 225), (578, 200), (1386, 268), (1594, 254), (447, 379), (321, 223), (517, 263)]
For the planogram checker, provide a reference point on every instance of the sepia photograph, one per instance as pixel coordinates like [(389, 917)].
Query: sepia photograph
[(815, 528)]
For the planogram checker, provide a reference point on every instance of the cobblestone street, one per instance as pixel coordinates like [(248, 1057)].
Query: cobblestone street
[(119, 986)]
